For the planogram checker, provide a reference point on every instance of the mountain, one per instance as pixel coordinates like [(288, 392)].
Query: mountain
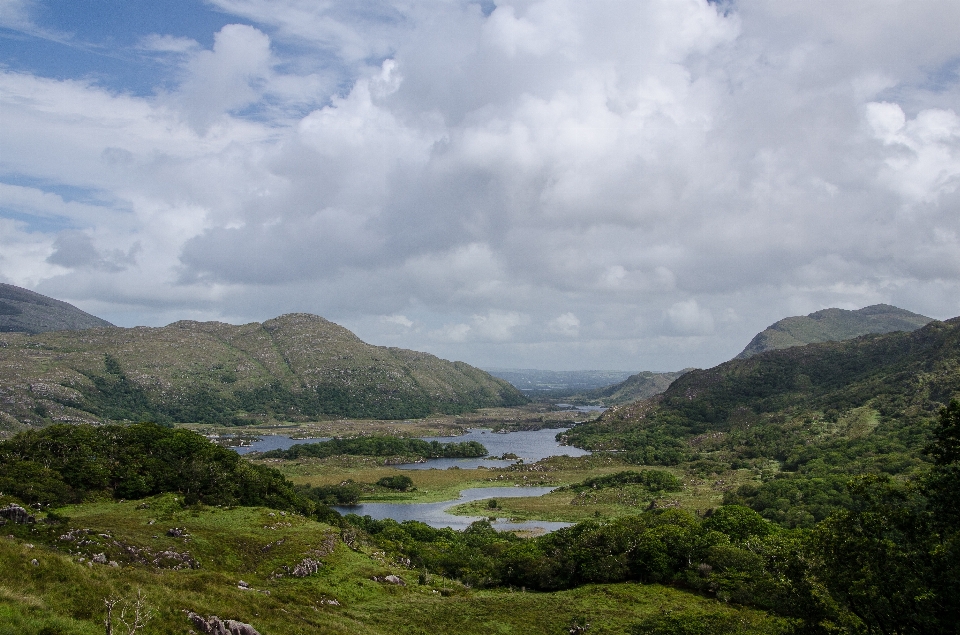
[(830, 325), (806, 418), (640, 386), (294, 367), (24, 311)]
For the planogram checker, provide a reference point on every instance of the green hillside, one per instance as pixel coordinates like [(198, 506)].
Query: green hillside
[(294, 367), (831, 325), (804, 418), (640, 386), (24, 311)]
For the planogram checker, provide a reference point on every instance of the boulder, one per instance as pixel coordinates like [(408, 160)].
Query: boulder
[(213, 625), (16, 514)]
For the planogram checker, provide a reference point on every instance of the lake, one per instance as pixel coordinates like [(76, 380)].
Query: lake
[(531, 446), (435, 514)]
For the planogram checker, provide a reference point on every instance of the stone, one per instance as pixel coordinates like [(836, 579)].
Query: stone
[(16, 514), (213, 625)]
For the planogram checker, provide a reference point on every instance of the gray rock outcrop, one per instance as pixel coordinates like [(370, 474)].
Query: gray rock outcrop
[(213, 625)]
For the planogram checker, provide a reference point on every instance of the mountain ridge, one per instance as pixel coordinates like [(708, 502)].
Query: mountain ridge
[(25, 311), (295, 367), (828, 325)]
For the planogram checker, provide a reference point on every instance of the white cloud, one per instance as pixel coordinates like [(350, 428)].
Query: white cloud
[(400, 320), (567, 325), (926, 160), (654, 182), (499, 325), (689, 318), (15, 14), (168, 43)]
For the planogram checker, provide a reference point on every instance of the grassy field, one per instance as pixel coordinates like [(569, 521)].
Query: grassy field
[(236, 563), (64, 591)]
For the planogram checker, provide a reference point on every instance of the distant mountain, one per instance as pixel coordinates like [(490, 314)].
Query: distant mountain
[(833, 325), (24, 311), (294, 367), (556, 383), (639, 386)]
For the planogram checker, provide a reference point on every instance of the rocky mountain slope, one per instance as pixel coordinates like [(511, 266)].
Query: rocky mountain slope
[(294, 367), (830, 325), (24, 311)]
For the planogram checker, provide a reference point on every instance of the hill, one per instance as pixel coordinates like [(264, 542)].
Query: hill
[(294, 367), (640, 386), (830, 325), (24, 311), (805, 418)]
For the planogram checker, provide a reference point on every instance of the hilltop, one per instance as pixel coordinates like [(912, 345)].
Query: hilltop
[(24, 311), (831, 325), (294, 367), (635, 387)]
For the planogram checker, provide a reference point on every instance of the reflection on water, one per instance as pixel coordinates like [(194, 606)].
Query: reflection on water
[(274, 442), (531, 446), (435, 515)]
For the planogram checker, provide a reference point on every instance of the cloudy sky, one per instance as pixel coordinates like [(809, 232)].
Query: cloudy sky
[(557, 184)]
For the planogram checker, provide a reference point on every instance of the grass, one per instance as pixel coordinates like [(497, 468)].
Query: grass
[(63, 595)]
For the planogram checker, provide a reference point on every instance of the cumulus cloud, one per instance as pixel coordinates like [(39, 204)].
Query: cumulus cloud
[(626, 184)]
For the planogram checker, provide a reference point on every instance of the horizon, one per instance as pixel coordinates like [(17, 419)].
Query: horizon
[(518, 185)]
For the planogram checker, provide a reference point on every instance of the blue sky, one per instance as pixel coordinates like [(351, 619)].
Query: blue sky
[(547, 183)]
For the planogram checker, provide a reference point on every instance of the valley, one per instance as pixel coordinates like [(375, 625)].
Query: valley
[(802, 489)]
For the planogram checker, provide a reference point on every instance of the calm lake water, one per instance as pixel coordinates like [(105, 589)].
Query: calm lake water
[(531, 446), (435, 515)]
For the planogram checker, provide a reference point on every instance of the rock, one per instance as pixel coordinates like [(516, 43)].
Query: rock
[(213, 625), (177, 532), (390, 579), (100, 558), (16, 514), (307, 566), (35, 562)]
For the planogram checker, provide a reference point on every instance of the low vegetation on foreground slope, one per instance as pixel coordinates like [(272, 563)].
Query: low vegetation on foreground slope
[(295, 367), (267, 553)]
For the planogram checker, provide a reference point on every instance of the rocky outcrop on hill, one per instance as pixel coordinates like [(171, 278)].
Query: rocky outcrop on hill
[(213, 625), (15, 514)]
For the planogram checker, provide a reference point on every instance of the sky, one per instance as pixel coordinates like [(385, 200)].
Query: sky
[(555, 184)]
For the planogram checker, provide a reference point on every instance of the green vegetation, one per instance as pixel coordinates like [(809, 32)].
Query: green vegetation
[(652, 480), (830, 325), (279, 570), (838, 465), (70, 464), (380, 446)]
